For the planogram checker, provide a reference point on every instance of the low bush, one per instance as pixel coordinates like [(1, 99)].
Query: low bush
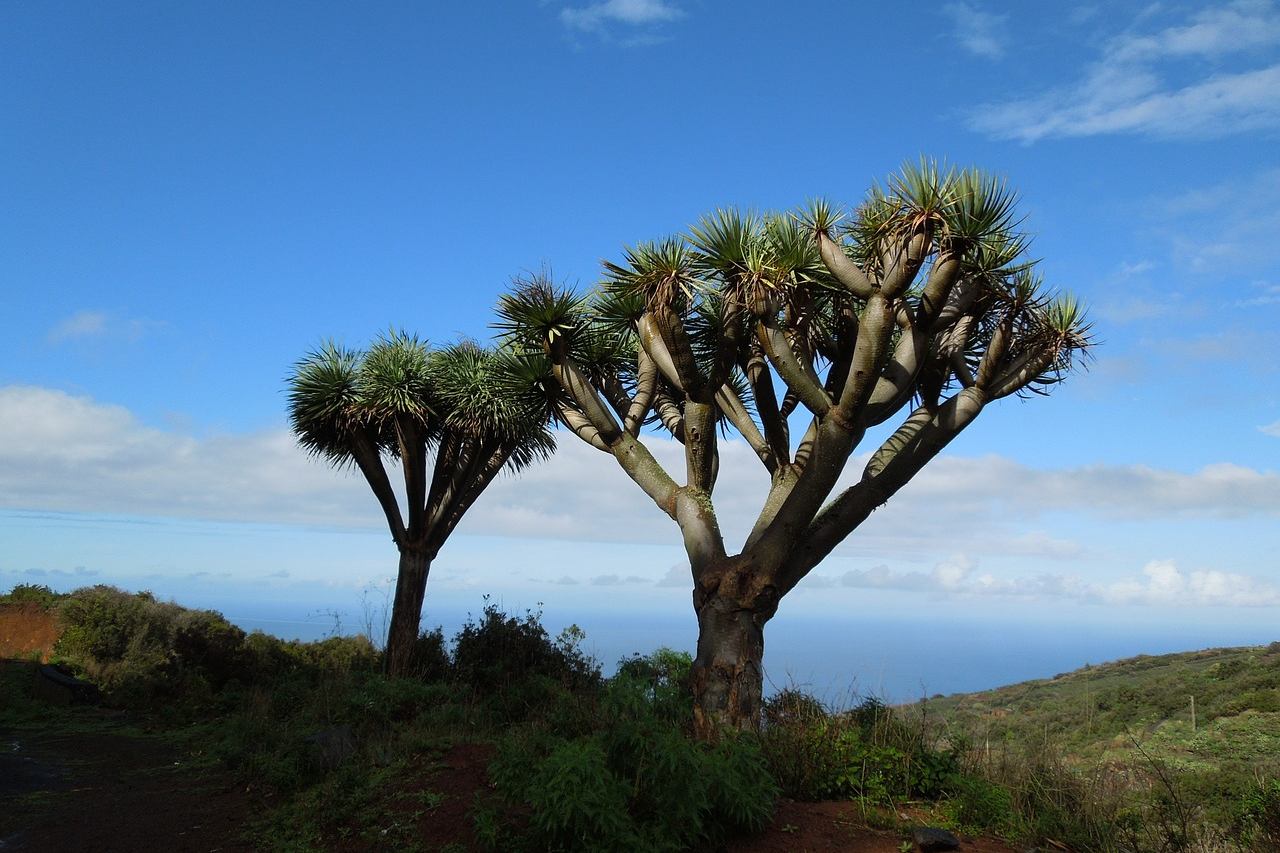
[(31, 594), (429, 659), (141, 651), (1257, 822), (499, 650), (866, 752), (663, 677), (635, 782)]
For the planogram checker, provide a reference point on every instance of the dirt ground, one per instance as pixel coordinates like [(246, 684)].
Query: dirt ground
[(105, 792), (838, 825)]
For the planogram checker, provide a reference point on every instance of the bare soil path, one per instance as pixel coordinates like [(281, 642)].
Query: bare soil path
[(105, 792)]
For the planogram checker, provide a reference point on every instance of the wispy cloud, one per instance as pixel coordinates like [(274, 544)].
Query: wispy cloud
[(1225, 231), (1140, 85), (1272, 429), (1160, 583), (619, 580), (636, 19), (1262, 293), (980, 33), (97, 325)]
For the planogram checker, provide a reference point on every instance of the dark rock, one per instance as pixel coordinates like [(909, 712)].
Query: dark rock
[(61, 688), (932, 840), (329, 749)]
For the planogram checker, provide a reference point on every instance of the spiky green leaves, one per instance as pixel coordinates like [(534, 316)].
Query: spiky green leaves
[(483, 395), (463, 389), (393, 378), (978, 207), (537, 313), (324, 400), (664, 274)]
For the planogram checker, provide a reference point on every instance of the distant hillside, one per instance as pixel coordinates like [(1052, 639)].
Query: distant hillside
[(1138, 709)]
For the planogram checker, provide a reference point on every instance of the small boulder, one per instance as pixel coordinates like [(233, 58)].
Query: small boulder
[(329, 749), (930, 839)]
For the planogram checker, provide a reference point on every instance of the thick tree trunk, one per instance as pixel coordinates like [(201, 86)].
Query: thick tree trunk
[(406, 611), (728, 674)]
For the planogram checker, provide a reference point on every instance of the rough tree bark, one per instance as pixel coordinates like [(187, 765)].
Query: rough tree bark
[(732, 606), (406, 610)]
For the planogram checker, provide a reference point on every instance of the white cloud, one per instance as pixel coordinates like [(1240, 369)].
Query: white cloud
[(1239, 26), (1264, 294), (1139, 84), (1160, 584), (980, 33), (1272, 429), (65, 453), (89, 325), (82, 324), (952, 573), (677, 576), (1163, 583), (598, 18)]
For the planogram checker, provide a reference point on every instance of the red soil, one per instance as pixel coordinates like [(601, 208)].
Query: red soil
[(26, 632)]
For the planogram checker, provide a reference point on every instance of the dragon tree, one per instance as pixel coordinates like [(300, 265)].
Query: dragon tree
[(799, 333), (452, 418)]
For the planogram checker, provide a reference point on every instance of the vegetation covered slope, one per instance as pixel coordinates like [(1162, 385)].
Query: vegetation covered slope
[(1202, 728), (1107, 710)]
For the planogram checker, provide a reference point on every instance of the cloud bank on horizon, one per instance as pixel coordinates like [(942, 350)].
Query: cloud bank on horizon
[(63, 453)]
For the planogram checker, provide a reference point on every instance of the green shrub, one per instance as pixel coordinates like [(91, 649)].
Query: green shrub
[(629, 779), (500, 650), (337, 654), (429, 659), (663, 676), (103, 622), (1258, 820), (799, 740), (33, 594), (979, 805), (205, 641), (866, 752), (577, 804)]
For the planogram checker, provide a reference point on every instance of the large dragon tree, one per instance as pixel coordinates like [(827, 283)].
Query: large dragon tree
[(453, 418), (800, 333)]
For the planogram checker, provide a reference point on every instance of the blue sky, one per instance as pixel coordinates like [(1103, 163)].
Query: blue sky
[(196, 194)]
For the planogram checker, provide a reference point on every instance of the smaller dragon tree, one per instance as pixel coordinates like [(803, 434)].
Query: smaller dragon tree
[(801, 333), (452, 418)]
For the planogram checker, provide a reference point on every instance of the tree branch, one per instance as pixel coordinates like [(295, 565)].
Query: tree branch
[(798, 376), (581, 427), (845, 270), (775, 427), (920, 438), (728, 401), (413, 461), (669, 413), (646, 385), (584, 394), (364, 449)]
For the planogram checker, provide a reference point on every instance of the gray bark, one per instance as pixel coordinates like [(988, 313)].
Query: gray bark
[(406, 610)]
